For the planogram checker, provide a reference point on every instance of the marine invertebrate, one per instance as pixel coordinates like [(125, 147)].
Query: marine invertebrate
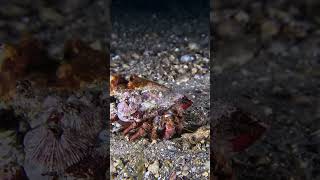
[(65, 135), (142, 107)]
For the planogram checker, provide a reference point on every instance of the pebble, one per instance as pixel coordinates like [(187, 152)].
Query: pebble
[(194, 70), (187, 58), (154, 168), (135, 56), (184, 173), (96, 45), (193, 46), (205, 174)]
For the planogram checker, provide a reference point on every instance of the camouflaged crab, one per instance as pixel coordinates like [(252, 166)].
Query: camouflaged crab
[(144, 108)]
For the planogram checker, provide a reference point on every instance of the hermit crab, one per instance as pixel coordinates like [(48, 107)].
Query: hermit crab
[(140, 107)]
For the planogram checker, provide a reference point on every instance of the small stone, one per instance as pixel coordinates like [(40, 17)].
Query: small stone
[(135, 56), (207, 165), (193, 46), (182, 79), (116, 57), (172, 57), (194, 70), (181, 71), (185, 168), (187, 58), (154, 168), (205, 174), (184, 173), (145, 141), (96, 45), (125, 66)]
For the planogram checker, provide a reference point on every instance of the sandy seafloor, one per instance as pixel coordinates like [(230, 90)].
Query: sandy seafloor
[(151, 44), (266, 59)]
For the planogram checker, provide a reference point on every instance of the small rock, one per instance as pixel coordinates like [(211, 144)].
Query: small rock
[(154, 168), (187, 58), (194, 70), (181, 71), (193, 46), (184, 173), (205, 174), (96, 45), (135, 56), (182, 79)]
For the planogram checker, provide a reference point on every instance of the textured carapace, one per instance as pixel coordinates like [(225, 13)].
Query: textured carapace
[(144, 108)]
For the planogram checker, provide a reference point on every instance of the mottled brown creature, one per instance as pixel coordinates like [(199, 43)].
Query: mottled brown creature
[(145, 108)]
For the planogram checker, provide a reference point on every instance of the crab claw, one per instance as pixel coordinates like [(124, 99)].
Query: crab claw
[(169, 130)]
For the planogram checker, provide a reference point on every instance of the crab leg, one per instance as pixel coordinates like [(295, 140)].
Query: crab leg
[(144, 130), (131, 127)]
